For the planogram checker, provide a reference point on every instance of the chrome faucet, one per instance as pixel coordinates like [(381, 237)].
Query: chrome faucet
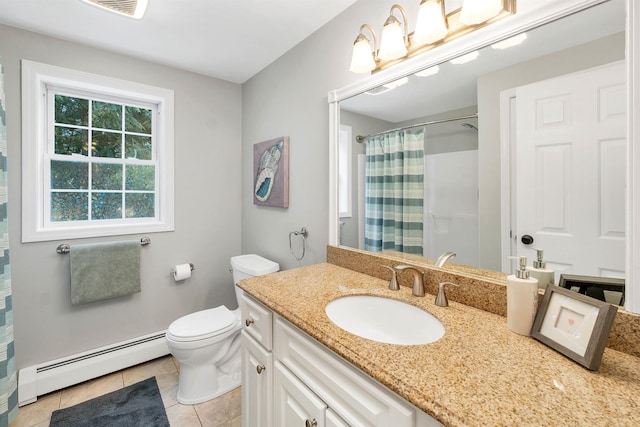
[(442, 259), (418, 279)]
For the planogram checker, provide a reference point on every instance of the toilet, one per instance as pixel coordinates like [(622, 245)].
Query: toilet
[(207, 342)]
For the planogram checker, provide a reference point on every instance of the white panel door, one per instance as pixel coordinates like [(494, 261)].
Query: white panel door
[(570, 171)]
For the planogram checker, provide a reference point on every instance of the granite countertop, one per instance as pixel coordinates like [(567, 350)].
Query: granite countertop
[(478, 374)]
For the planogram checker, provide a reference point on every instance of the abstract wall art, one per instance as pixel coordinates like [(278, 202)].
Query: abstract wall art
[(271, 172)]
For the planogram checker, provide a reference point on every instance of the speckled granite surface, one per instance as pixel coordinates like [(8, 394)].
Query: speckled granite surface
[(478, 374), (483, 289)]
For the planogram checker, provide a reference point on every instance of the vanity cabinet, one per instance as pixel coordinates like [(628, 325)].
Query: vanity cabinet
[(257, 364), (311, 386)]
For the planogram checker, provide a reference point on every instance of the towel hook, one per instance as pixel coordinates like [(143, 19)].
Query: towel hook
[(304, 233)]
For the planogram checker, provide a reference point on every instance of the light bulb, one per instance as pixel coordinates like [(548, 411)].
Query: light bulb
[(392, 44), (362, 58), (510, 42), (465, 58), (430, 26), (428, 72)]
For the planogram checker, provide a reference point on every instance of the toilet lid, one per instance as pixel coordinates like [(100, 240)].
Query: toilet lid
[(202, 324)]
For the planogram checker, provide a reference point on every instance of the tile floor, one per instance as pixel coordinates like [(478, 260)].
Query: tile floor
[(221, 412)]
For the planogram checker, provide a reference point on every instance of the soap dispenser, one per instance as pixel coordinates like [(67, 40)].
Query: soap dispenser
[(540, 271), (522, 299)]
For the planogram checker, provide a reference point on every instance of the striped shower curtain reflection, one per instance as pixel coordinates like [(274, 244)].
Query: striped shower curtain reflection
[(8, 377), (394, 192)]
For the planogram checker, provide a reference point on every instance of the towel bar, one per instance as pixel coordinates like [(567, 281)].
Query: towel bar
[(64, 248)]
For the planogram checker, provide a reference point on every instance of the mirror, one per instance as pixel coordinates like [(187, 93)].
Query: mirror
[(465, 196)]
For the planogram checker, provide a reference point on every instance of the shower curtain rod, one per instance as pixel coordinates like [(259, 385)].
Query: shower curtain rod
[(361, 138)]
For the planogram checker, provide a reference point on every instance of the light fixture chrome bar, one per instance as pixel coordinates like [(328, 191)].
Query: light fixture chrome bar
[(361, 138)]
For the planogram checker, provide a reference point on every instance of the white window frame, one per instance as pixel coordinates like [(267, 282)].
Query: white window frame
[(36, 79)]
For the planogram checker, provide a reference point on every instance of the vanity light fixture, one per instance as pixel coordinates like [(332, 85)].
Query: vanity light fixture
[(394, 41), (363, 58), (130, 8), (428, 72), (510, 42), (435, 25), (431, 25), (465, 58), (478, 11)]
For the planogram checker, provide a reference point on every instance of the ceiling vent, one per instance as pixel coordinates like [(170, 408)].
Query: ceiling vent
[(131, 8)]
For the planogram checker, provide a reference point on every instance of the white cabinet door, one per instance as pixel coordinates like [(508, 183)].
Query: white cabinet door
[(333, 420), (257, 383), (295, 404)]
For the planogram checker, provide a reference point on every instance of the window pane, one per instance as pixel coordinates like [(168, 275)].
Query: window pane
[(140, 178), (71, 141), (137, 120), (107, 144), (140, 205), (137, 147), (69, 206), (69, 175), (106, 176), (71, 111), (106, 205), (106, 116)]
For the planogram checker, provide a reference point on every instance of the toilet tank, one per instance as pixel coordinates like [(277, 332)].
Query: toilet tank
[(245, 266)]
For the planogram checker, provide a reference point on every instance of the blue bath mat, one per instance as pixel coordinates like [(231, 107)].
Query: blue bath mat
[(139, 404)]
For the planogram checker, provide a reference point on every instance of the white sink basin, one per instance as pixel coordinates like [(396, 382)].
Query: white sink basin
[(384, 320)]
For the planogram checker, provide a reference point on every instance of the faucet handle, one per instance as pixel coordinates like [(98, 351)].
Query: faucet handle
[(441, 298), (393, 282)]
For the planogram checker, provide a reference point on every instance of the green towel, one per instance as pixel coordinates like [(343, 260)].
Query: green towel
[(104, 270)]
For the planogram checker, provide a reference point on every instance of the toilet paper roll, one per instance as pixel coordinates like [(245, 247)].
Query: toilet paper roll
[(181, 272)]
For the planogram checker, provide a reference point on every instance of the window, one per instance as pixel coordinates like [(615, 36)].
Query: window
[(98, 155)]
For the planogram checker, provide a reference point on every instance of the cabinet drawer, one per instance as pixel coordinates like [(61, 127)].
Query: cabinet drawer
[(257, 321), (357, 398)]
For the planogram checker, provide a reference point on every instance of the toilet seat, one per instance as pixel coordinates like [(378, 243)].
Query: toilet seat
[(202, 325)]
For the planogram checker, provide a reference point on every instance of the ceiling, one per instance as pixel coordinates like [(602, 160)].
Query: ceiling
[(227, 39)]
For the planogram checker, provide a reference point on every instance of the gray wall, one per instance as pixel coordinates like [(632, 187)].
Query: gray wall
[(207, 214), (289, 97)]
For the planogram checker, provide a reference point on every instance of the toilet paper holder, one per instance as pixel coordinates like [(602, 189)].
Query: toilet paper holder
[(193, 267)]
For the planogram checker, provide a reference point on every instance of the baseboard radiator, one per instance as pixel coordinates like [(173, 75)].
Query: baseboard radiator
[(37, 380)]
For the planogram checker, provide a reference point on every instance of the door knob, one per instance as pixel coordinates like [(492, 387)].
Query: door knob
[(248, 322), (311, 423), (260, 368), (527, 239)]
